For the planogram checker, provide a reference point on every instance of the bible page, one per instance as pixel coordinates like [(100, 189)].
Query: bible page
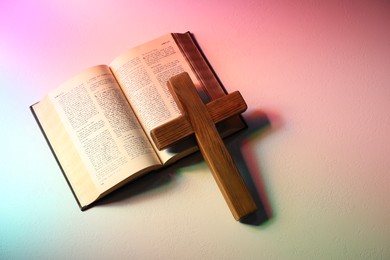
[(143, 72), (103, 127)]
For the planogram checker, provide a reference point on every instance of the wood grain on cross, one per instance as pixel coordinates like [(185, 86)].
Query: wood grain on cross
[(200, 119)]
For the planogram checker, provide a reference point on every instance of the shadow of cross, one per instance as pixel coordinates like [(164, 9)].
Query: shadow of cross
[(200, 119)]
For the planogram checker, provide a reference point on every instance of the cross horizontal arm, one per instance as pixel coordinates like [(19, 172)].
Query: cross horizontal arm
[(178, 129)]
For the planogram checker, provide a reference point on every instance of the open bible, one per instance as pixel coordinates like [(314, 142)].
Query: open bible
[(98, 123)]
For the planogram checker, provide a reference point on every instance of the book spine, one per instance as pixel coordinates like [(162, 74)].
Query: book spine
[(210, 82), (200, 66)]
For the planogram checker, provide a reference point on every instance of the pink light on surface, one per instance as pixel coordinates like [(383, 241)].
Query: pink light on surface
[(318, 70)]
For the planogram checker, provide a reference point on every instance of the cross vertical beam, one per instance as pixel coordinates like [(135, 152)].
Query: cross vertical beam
[(212, 147)]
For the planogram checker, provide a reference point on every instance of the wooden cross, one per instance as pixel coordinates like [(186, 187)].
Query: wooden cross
[(199, 119)]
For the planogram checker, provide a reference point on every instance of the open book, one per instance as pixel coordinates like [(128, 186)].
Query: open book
[(98, 123)]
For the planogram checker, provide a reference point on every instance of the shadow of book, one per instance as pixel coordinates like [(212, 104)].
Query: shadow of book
[(257, 124), (149, 182)]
